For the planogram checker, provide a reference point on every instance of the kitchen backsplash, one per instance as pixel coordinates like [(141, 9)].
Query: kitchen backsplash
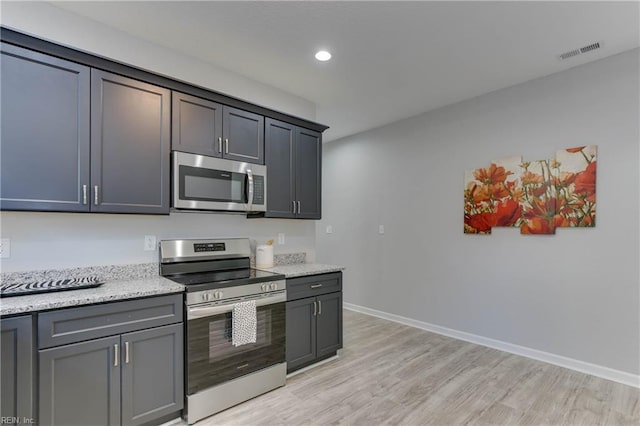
[(120, 272)]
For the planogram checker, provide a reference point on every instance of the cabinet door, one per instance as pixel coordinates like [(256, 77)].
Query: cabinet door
[(16, 349), (44, 132), (243, 134), (279, 157), (196, 125), (329, 323), (308, 173), (301, 333), (152, 374), (130, 122), (80, 384)]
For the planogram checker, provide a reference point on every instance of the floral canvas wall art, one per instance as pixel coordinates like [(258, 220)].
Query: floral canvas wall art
[(535, 196), (576, 186)]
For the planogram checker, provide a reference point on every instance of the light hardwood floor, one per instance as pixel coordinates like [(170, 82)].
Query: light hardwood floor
[(394, 374)]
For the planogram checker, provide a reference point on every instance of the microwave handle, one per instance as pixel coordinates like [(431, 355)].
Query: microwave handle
[(250, 190)]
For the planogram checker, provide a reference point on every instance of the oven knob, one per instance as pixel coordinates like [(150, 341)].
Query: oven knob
[(218, 295), (204, 297), (274, 286), (263, 287)]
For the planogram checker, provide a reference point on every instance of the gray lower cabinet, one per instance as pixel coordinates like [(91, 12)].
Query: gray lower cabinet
[(45, 132), (294, 161), (131, 378), (16, 371), (152, 374), (314, 319), (204, 127), (80, 384)]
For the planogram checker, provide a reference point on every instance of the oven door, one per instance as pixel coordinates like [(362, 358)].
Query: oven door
[(212, 359), (208, 183)]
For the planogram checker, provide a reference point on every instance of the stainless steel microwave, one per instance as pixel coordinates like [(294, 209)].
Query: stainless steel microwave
[(208, 183)]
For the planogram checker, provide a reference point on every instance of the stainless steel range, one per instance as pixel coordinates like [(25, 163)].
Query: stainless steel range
[(217, 276)]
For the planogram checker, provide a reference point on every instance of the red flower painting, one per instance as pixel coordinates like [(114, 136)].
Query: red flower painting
[(536, 196)]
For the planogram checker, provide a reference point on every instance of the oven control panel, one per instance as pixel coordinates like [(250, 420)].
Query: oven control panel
[(200, 247), (240, 291)]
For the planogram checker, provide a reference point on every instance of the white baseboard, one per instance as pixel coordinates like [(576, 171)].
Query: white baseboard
[(562, 361)]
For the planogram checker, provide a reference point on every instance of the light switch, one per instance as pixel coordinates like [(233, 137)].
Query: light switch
[(380, 229), (281, 238), (329, 229)]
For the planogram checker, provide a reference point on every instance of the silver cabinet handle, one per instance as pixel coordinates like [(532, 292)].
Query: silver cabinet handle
[(316, 286), (84, 194), (294, 207), (315, 309), (226, 146), (116, 354), (319, 307), (298, 207), (126, 352), (95, 195), (220, 144)]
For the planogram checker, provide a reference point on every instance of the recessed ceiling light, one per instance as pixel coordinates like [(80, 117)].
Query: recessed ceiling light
[(323, 55)]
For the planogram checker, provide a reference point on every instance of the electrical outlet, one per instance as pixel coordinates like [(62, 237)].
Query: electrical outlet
[(280, 238), (150, 243), (380, 229), (329, 229), (5, 248)]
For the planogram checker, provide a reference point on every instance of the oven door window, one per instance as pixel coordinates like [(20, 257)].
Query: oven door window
[(201, 184), (212, 359)]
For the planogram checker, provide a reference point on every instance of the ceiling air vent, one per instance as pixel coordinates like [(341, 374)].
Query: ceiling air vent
[(576, 52)]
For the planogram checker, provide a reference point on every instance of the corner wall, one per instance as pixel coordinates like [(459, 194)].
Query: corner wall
[(574, 294)]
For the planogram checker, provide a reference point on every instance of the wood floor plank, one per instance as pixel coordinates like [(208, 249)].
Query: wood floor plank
[(392, 374)]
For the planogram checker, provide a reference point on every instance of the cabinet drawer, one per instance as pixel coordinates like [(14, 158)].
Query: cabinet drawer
[(90, 322), (313, 285)]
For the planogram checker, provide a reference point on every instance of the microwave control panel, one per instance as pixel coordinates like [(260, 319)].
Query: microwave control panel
[(258, 190)]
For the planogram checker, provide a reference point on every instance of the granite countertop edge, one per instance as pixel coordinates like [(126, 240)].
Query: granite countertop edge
[(114, 290), (303, 269), (110, 291)]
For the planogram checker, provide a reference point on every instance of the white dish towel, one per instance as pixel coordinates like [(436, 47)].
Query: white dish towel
[(243, 323)]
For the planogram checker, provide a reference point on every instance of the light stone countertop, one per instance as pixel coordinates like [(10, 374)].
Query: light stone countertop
[(110, 291), (302, 269)]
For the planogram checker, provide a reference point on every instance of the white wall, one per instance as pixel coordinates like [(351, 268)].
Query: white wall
[(51, 23), (58, 240), (574, 294), (62, 240)]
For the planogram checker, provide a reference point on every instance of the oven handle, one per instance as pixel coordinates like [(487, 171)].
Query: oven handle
[(209, 311)]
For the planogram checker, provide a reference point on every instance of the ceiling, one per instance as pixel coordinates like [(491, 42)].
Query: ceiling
[(391, 60)]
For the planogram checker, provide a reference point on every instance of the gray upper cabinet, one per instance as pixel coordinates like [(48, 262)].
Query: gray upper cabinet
[(243, 134), (130, 145), (280, 141), (45, 131), (196, 125), (294, 164), (308, 173), (78, 139), (200, 126), (16, 374)]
